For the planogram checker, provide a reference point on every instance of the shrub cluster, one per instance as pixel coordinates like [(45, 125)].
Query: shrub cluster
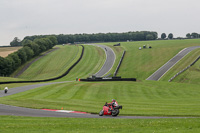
[(31, 48)]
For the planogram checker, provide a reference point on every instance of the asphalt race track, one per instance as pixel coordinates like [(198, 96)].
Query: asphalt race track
[(20, 111), (166, 67), (110, 60)]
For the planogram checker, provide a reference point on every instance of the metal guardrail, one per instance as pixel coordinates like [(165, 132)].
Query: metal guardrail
[(120, 62), (184, 69)]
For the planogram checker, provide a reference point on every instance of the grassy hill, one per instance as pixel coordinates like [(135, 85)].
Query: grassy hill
[(54, 64), (141, 64)]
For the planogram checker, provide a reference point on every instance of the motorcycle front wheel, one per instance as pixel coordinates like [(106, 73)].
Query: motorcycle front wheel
[(101, 113)]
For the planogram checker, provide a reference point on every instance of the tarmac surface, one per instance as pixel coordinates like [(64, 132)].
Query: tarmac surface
[(110, 60), (166, 67), (21, 111)]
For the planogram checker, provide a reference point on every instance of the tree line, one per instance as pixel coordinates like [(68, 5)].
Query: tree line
[(192, 35), (101, 37), (188, 35), (30, 49)]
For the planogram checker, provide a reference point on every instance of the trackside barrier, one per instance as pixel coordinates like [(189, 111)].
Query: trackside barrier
[(114, 79), (184, 69), (120, 62), (45, 80)]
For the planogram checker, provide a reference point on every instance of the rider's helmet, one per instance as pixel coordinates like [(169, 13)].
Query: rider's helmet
[(113, 100)]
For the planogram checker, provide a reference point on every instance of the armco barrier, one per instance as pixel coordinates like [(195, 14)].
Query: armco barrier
[(114, 79), (184, 69), (45, 80), (120, 62)]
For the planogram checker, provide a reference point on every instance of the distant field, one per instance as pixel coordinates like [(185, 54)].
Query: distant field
[(10, 124), (141, 64), (5, 51), (147, 98), (192, 75)]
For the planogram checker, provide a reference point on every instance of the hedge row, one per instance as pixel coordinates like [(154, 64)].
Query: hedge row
[(30, 49)]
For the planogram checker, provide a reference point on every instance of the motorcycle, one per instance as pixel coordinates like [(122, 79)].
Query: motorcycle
[(110, 109)]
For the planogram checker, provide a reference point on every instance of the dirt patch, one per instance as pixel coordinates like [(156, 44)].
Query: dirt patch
[(6, 53)]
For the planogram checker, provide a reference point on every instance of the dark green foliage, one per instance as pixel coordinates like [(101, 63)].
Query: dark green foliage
[(149, 37), (195, 35), (16, 59), (33, 46), (53, 40), (163, 35), (29, 52), (5, 66), (22, 55), (30, 49), (15, 42), (188, 35), (170, 36), (99, 37)]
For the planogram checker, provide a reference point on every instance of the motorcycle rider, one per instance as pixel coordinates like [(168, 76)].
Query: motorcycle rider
[(6, 89), (111, 104)]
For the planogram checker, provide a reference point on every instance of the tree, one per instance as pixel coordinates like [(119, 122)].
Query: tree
[(188, 35), (22, 55), (170, 36), (149, 37), (163, 35), (40, 43), (194, 35), (16, 59), (29, 52), (15, 42), (53, 40), (33, 46)]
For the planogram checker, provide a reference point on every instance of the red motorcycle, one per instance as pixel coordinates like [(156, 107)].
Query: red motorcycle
[(110, 109)]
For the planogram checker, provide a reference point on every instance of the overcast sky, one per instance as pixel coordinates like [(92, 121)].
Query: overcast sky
[(20, 18)]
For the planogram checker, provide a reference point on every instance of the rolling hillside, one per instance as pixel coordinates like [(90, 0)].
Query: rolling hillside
[(142, 63)]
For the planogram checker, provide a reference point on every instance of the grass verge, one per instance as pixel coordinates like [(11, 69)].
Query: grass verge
[(10, 124)]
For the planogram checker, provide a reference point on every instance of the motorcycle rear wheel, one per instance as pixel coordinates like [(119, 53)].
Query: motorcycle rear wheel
[(115, 112), (101, 113)]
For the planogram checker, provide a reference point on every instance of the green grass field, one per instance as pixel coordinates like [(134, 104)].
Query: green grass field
[(148, 98), (141, 64), (10, 124)]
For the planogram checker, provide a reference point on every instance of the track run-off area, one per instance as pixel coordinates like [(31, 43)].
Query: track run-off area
[(110, 59)]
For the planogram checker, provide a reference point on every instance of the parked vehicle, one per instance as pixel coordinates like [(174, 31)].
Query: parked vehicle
[(110, 109)]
